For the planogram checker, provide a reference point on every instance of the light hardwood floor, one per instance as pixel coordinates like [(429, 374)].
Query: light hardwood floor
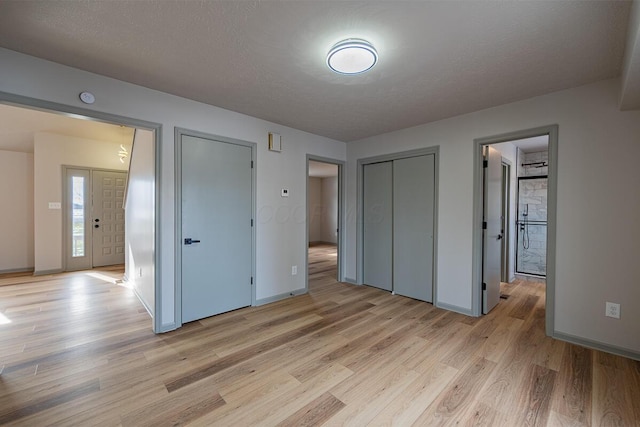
[(79, 351)]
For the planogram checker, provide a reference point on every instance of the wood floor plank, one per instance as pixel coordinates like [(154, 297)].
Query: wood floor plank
[(459, 395), (611, 404), (314, 413), (174, 411), (535, 399), (573, 397), (406, 407), (342, 354), (17, 411)]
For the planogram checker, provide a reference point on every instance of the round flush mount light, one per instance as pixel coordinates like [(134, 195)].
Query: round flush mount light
[(352, 56)]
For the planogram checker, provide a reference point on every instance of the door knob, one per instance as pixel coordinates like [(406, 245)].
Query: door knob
[(499, 236), (189, 241)]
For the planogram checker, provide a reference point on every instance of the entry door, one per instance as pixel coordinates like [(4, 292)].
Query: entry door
[(108, 217), (378, 225), (216, 211), (492, 236), (413, 214)]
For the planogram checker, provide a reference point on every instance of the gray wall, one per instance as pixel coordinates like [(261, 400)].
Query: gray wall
[(139, 219), (280, 222), (594, 264), (314, 198), (330, 209), (16, 214), (323, 209)]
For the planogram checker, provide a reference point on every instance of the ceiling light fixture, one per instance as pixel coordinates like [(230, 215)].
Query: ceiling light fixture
[(352, 56)]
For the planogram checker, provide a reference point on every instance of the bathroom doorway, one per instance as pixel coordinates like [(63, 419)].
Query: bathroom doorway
[(534, 153)]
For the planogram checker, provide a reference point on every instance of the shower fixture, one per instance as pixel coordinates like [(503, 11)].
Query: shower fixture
[(524, 227), (535, 165)]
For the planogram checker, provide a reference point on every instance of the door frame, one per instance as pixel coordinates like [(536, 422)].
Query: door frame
[(179, 133), (506, 212), (478, 144), (341, 216), (65, 207), (435, 150), (156, 128)]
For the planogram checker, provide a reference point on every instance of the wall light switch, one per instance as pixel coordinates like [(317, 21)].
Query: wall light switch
[(55, 205)]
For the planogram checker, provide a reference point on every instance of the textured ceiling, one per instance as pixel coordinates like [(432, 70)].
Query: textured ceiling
[(266, 59)]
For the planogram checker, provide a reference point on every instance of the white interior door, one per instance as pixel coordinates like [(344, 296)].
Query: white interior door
[(492, 244), (108, 217), (216, 211)]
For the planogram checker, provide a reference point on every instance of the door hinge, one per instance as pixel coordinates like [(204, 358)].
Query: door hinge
[(251, 164), (484, 286), (485, 163), (252, 222), (484, 225), (252, 280)]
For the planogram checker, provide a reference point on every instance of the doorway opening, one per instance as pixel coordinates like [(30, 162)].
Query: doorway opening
[(514, 214), (54, 136), (324, 219)]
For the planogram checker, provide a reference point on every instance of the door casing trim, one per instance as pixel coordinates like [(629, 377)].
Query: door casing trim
[(478, 143)]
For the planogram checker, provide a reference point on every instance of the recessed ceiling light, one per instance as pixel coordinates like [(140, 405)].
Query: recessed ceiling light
[(352, 56)]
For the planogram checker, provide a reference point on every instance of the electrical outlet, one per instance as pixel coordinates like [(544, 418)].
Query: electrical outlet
[(612, 309), (294, 270)]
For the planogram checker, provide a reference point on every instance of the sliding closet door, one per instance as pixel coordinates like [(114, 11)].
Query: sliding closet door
[(378, 225), (413, 214)]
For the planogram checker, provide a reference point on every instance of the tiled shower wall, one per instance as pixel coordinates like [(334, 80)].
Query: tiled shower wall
[(532, 197), (542, 156)]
